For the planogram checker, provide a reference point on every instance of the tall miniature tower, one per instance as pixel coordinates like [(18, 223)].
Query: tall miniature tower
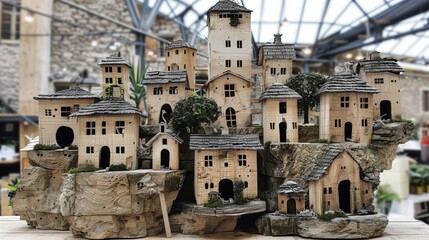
[(280, 113), (181, 57), (115, 77), (276, 60), (383, 74), (229, 39), (345, 112)]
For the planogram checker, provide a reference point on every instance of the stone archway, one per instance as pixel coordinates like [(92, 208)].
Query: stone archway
[(385, 109), (226, 189), (64, 136), (165, 158), (104, 161), (344, 196), (291, 206)]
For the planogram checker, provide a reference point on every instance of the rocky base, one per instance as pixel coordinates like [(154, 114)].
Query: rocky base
[(352, 227), (276, 225), (255, 206), (188, 223)]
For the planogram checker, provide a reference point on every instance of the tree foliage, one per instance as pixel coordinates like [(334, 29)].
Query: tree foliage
[(138, 91), (307, 85), (189, 113)]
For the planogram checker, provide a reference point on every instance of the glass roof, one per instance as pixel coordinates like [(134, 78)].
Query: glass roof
[(304, 22)]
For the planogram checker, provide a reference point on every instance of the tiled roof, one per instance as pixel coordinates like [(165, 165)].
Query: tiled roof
[(290, 187), (178, 44), (322, 166), (278, 90), (157, 77), (283, 51), (379, 65), (225, 142), (171, 134), (226, 73), (108, 107), (228, 6), (113, 60), (71, 93), (346, 82)]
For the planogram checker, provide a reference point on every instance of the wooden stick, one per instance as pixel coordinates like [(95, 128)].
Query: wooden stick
[(165, 215)]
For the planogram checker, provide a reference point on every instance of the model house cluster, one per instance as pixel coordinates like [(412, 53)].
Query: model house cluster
[(106, 130)]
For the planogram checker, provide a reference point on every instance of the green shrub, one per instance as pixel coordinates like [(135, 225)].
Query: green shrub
[(118, 167), (267, 144), (82, 169), (329, 216), (214, 203), (39, 147), (73, 147), (316, 140)]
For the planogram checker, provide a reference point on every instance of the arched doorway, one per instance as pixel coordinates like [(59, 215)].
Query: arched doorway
[(291, 206), (282, 131), (348, 128), (231, 118), (344, 195), (226, 189), (104, 161), (165, 114), (385, 109), (165, 158), (64, 136)]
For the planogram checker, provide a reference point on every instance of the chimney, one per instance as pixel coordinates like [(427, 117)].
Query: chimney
[(374, 55), (278, 39)]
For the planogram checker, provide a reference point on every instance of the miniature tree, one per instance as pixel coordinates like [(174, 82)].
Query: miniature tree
[(138, 91), (189, 113), (306, 85)]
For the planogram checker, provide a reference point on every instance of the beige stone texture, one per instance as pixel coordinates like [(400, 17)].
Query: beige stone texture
[(120, 81), (49, 123), (113, 139), (54, 159), (240, 102), (331, 110), (221, 31), (212, 175), (188, 223), (185, 61), (389, 91), (271, 115), (324, 194), (268, 78), (164, 142), (156, 102)]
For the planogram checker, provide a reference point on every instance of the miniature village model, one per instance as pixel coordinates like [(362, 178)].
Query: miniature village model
[(105, 169)]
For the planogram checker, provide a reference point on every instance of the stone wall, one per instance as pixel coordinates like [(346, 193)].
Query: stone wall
[(9, 77), (71, 49), (412, 84)]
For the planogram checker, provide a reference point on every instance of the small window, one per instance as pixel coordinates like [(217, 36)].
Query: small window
[(273, 71), (168, 53), (164, 141), (228, 63), (208, 161), (65, 111), (157, 91), (119, 80), (378, 80), (330, 190), (48, 112), (168, 68), (108, 69), (229, 90), (206, 185), (193, 54), (239, 63), (109, 80), (89, 149), (120, 150), (242, 160), (294, 125), (90, 128), (246, 184), (10, 22), (211, 185), (325, 191), (363, 102), (337, 123), (184, 66), (345, 102), (220, 15), (425, 100), (227, 43), (364, 122), (282, 107), (119, 69), (184, 51), (282, 71), (177, 52), (272, 126), (239, 44), (225, 164), (103, 128), (173, 90), (231, 118), (119, 127)]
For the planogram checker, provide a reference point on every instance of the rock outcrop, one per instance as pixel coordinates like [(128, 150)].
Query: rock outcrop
[(125, 204)]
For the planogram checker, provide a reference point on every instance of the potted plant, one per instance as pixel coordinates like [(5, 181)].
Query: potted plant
[(384, 198), (417, 181)]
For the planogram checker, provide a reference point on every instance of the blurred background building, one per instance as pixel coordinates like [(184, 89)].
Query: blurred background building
[(49, 45)]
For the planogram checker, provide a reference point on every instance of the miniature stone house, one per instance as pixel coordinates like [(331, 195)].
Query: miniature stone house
[(229, 39), (345, 109), (55, 126), (223, 160), (115, 77), (276, 60), (165, 149), (180, 56), (291, 198), (164, 90), (383, 74), (337, 182), (109, 134), (280, 113), (232, 92)]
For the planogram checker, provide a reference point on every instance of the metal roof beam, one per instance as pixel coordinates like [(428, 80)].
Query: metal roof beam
[(300, 21), (153, 13), (282, 8), (132, 8)]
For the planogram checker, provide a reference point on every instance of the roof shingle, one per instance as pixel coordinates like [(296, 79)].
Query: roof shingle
[(278, 90), (108, 107), (228, 6), (157, 77), (71, 93), (113, 60), (281, 51), (225, 142), (290, 187), (346, 82), (379, 65), (178, 44)]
